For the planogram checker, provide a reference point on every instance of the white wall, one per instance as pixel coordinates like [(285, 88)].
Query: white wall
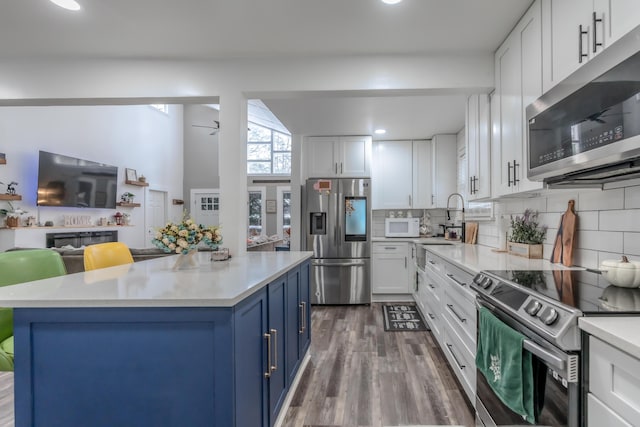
[(137, 137)]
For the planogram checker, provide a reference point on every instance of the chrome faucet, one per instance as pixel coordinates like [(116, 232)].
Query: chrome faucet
[(462, 226)]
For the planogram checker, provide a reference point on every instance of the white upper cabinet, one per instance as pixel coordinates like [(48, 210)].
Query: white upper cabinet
[(478, 147), (338, 156), (391, 175), (401, 174), (577, 30), (518, 74), (444, 163), (422, 178)]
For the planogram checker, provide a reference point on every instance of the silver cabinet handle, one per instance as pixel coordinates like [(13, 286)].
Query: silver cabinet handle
[(410, 204), (341, 168), (267, 336), (595, 33), (515, 174), (274, 332), (581, 33), (432, 262), (509, 174), (431, 316), (460, 318), (461, 366), (431, 286), (303, 315), (405, 262), (450, 276)]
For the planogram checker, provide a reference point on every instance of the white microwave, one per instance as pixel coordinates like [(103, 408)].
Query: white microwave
[(402, 227)]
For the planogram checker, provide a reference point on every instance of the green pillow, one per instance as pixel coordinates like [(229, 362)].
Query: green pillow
[(7, 346)]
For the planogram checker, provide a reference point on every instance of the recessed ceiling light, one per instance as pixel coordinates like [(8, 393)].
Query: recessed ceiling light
[(380, 131), (391, 1), (66, 4)]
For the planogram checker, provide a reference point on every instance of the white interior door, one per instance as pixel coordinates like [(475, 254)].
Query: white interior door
[(156, 209), (205, 206)]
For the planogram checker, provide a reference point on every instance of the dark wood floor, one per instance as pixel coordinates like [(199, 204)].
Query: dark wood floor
[(358, 375)]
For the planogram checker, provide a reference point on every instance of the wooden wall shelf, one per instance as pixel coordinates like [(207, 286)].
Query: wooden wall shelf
[(3, 161), (10, 197), (138, 183), (128, 205)]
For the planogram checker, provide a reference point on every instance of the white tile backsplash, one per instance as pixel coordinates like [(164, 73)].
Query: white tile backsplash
[(632, 244), (608, 222), (601, 200), (622, 220), (632, 197)]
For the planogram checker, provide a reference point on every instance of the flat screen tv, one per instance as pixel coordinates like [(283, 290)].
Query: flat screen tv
[(71, 182)]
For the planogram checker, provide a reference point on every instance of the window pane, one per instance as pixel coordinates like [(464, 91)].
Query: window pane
[(286, 208), (282, 163), (258, 151), (281, 142), (255, 213), (258, 133), (258, 168)]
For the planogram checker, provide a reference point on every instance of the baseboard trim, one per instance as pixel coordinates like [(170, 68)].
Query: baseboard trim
[(292, 389)]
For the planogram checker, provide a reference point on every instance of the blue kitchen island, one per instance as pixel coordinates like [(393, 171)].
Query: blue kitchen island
[(220, 344)]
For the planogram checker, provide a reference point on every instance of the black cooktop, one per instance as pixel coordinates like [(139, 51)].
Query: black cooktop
[(585, 290)]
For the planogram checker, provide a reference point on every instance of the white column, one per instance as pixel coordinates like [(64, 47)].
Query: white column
[(232, 165), (297, 173)]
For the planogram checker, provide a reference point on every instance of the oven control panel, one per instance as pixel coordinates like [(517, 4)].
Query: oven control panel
[(547, 317)]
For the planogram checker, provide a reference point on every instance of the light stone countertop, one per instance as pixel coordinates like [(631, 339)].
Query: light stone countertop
[(153, 283), (474, 258), (622, 332)]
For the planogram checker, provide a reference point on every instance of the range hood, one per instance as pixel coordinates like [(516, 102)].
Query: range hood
[(585, 132)]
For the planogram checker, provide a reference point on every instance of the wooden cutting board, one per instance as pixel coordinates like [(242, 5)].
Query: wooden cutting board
[(563, 245), (471, 232)]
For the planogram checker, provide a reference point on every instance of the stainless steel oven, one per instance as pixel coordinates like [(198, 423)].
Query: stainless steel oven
[(544, 306), (556, 388)]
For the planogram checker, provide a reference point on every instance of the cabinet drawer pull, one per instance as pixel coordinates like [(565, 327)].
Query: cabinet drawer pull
[(460, 318), (267, 336), (431, 286), (450, 276), (461, 366), (431, 316), (432, 262), (595, 32), (508, 174), (515, 174)]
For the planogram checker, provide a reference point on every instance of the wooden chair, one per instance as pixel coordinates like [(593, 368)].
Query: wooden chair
[(105, 255), (19, 267)]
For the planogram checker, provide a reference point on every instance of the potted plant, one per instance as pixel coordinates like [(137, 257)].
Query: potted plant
[(526, 235), (127, 197)]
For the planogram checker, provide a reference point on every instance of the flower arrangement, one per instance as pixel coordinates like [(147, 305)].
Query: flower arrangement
[(185, 236), (525, 229)]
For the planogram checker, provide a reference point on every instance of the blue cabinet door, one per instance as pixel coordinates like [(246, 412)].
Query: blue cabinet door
[(250, 348), (277, 291), (305, 303), (294, 323)]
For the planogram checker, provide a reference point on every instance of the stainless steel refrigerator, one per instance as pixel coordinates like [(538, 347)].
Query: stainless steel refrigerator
[(337, 220)]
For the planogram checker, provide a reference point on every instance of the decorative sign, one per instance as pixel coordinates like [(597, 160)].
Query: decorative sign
[(77, 220)]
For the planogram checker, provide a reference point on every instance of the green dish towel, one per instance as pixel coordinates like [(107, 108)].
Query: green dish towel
[(506, 366)]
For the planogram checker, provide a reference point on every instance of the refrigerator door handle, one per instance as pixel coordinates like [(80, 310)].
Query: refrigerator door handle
[(337, 264)]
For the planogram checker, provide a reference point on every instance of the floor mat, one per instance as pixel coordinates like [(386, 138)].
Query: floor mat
[(403, 317)]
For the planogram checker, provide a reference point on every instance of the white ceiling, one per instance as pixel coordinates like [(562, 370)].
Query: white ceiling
[(223, 29)]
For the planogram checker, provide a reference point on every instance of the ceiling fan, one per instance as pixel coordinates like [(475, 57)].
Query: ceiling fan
[(215, 128)]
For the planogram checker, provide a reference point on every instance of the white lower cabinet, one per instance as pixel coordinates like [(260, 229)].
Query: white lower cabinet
[(448, 306), (614, 386), (390, 268)]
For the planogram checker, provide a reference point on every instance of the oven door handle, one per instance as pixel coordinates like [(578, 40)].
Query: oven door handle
[(554, 361), (545, 355)]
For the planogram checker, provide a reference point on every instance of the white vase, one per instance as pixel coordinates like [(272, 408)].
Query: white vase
[(187, 261)]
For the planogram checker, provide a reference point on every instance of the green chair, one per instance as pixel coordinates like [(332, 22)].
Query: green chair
[(18, 267)]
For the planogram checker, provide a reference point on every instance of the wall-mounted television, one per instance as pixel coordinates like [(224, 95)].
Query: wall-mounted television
[(72, 182)]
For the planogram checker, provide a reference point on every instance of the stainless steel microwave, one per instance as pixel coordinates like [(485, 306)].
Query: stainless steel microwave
[(586, 130)]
